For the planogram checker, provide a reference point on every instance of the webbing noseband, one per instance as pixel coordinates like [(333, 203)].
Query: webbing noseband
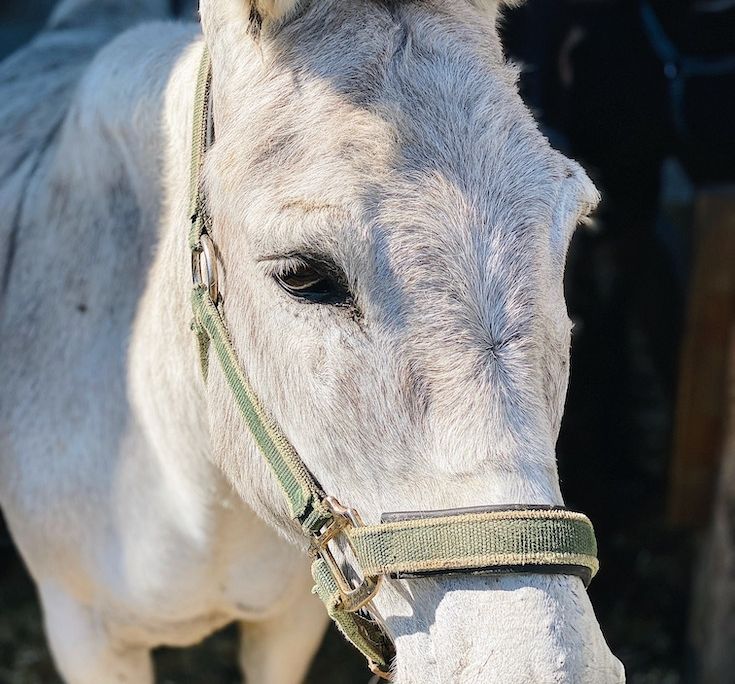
[(535, 539)]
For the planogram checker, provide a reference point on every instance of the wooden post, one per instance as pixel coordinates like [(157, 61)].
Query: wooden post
[(712, 625), (701, 401)]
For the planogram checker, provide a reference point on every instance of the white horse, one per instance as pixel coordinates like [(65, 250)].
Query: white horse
[(391, 231)]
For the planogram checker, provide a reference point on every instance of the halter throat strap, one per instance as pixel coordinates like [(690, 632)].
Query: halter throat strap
[(488, 540)]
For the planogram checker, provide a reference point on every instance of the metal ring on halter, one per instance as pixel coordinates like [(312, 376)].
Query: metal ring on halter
[(204, 267), (353, 598)]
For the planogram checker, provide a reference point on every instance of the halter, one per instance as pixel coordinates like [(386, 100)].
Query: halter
[(487, 540)]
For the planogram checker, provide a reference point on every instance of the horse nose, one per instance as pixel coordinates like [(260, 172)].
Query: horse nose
[(511, 629)]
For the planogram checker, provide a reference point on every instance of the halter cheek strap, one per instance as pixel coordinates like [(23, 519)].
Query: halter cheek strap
[(536, 539)]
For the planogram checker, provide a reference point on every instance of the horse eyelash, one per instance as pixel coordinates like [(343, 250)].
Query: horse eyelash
[(281, 264)]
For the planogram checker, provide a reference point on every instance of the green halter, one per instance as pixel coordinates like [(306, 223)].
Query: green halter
[(531, 539)]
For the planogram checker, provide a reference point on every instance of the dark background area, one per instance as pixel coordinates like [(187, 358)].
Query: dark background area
[(643, 95)]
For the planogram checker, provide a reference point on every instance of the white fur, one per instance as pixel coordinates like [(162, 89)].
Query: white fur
[(391, 139)]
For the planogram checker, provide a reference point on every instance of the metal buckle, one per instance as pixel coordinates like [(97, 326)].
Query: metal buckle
[(353, 598), (204, 267)]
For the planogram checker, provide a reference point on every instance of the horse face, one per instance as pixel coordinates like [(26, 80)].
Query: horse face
[(392, 229)]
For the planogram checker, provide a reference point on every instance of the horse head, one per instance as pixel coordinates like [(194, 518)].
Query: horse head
[(392, 229)]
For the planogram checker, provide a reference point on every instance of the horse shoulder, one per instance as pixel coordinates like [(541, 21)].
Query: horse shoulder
[(78, 237)]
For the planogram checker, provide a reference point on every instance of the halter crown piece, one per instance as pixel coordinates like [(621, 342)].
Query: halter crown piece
[(500, 540)]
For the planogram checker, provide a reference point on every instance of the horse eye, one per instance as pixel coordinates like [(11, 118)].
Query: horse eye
[(313, 283)]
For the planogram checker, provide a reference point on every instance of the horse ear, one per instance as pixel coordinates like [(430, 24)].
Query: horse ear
[(249, 14), (261, 10), (578, 198), (273, 9), (491, 7)]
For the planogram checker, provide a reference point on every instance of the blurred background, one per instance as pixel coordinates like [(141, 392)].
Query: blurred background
[(642, 93)]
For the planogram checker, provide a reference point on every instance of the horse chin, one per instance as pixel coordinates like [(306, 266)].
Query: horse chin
[(520, 629)]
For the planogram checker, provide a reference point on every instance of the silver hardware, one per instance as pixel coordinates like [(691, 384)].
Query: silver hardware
[(204, 267), (353, 598)]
